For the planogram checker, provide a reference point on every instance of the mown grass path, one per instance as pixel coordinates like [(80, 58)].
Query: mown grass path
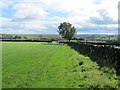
[(43, 65)]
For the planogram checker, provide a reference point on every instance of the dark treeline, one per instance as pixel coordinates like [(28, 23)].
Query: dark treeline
[(28, 40), (104, 55)]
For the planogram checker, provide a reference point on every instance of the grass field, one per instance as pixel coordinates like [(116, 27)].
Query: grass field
[(44, 65)]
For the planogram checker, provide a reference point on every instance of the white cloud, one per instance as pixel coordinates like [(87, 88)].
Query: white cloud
[(110, 25), (34, 15), (80, 11), (26, 11), (30, 27), (5, 3)]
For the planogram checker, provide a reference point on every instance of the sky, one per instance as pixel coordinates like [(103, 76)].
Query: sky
[(44, 16)]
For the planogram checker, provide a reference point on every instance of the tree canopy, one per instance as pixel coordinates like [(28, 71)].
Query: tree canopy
[(66, 30)]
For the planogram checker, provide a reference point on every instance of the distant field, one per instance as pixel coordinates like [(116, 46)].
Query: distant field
[(88, 37), (51, 65), (32, 36)]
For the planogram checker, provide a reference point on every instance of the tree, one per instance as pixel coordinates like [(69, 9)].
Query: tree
[(25, 37), (17, 37), (66, 30)]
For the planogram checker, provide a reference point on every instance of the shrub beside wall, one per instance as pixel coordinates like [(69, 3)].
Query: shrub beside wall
[(104, 55)]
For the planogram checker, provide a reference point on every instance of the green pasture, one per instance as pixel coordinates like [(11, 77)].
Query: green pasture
[(51, 65)]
